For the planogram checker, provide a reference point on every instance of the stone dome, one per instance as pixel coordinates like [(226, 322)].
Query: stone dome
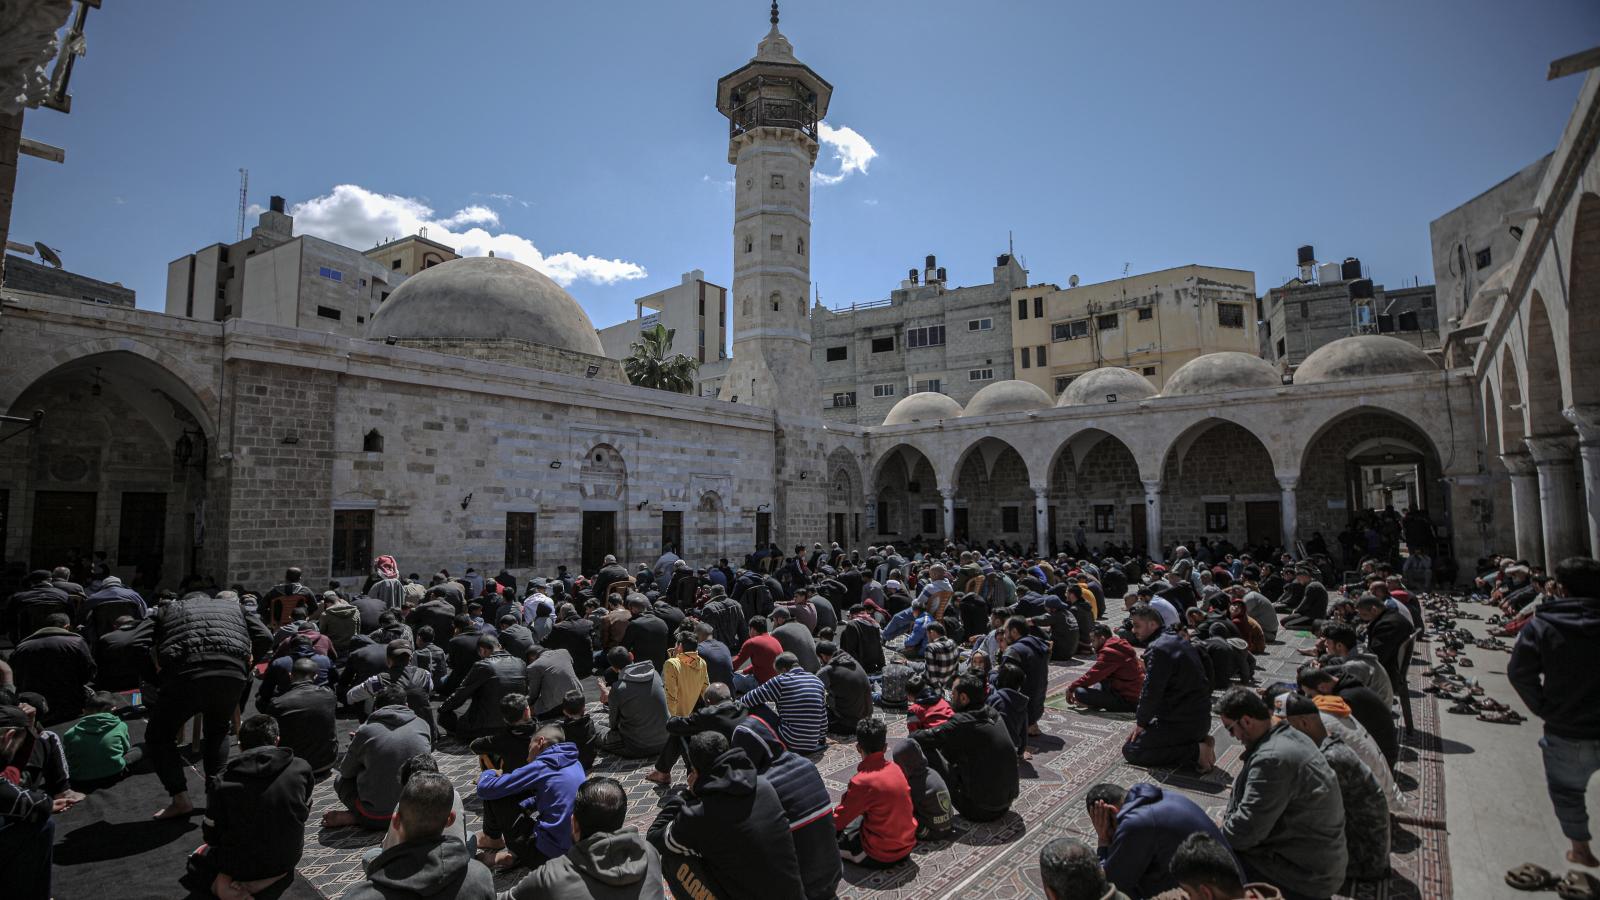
[(1362, 356), (485, 297), (1007, 397), (1218, 373), (1094, 386), (923, 406)]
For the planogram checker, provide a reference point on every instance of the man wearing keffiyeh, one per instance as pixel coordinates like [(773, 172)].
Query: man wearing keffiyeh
[(388, 587)]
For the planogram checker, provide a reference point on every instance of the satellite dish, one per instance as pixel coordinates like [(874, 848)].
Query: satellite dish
[(48, 255), (1073, 281)]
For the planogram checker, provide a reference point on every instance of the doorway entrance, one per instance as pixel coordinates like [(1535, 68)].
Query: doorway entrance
[(1138, 535), (961, 525), (63, 529), (599, 539), (763, 529), (1263, 523), (142, 533)]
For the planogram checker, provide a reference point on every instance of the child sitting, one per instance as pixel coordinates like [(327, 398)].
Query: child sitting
[(97, 747), (928, 707)]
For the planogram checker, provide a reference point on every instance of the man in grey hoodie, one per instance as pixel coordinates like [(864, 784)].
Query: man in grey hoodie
[(369, 776), (607, 862), (638, 706), (429, 861)]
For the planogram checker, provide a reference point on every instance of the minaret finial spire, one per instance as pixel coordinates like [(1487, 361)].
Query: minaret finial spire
[(774, 13)]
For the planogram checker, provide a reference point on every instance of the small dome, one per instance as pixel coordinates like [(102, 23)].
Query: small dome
[(1362, 356), (1218, 373), (484, 297), (923, 406), (1482, 302), (1095, 386), (1007, 397)]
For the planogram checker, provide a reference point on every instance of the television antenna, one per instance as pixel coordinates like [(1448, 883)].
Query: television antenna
[(244, 192)]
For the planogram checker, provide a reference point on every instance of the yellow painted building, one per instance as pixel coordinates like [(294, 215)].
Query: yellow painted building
[(1151, 324), (411, 254)]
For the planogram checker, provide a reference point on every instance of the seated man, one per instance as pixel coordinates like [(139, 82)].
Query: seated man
[(495, 674), (716, 712), (795, 638), (875, 819), (1363, 702), (1116, 679), (758, 651), (1366, 808), (305, 715), (608, 859), (848, 687), (256, 813), (27, 831), (369, 777), (930, 798), (1069, 871), (55, 663), (1341, 657), (796, 697), (1030, 653), (638, 708), (1173, 720), (549, 675), (97, 746), (806, 803), (1138, 829), (1204, 867), (974, 755), (544, 788), (399, 671), (1285, 819), (122, 657), (278, 673), (728, 832), (428, 861)]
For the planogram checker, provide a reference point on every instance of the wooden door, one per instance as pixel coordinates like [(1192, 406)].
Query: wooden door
[(63, 528), (1138, 535), (599, 539), (1263, 523)]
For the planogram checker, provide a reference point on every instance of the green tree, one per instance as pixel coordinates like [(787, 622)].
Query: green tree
[(652, 363)]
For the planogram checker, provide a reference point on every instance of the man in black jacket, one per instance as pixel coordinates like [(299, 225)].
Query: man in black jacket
[(122, 657), (305, 717), (256, 811), (849, 690), (399, 671), (574, 634), (1387, 632), (435, 611), (716, 712), (204, 647), (37, 592), (1553, 670), (1366, 707), (461, 651), (727, 836), (973, 754), (57, 664), (1312, 605), (495, 674), (1173, 722), (647, 637)]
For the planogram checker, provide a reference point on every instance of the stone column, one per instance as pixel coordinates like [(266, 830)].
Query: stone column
[(949, 495), (1041, 516), (1555, 456), (1289, 515), (1587, 420), (1525, 505), (1152, 519)]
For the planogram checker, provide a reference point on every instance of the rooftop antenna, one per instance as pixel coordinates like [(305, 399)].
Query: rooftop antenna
[(1011, 245), (774, 13), (244, 192)]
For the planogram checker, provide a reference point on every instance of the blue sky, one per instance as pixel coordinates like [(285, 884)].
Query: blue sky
[(582, 136)]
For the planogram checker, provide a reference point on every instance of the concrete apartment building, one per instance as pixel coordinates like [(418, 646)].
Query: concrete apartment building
[(1151, 324), (1474, 241), (26, 275), (1329, 301), (275, 277), (927, 336), (412, 253), (697, 310)]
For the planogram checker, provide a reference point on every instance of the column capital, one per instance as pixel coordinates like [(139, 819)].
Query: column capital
[(948, 493), (1518, 463), (1040, 490), (1586, 419), (1288, 482), (1552, 449), (1152, 487)]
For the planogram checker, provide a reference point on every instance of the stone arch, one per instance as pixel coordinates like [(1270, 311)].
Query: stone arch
[(707, 534), (1512, 412), (1219, 483), (907, 484), (777, 301), (993, 493), (1543, 393), (1090, 471), (120, 355), (1155, 455), (846, 497), (1583, 310)]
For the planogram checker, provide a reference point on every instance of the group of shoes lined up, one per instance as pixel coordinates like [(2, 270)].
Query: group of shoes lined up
[(1450, 644)]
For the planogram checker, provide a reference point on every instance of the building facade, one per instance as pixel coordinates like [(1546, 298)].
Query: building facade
[(1304, 315), (27, 275), (411, 254), (927, 336), (697, 311), (1476, 239), (1151, 324)]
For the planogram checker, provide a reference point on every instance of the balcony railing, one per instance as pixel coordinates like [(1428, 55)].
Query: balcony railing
[(773, 112)]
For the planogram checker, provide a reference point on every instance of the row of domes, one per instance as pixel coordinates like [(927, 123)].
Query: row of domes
[(1215, 373)]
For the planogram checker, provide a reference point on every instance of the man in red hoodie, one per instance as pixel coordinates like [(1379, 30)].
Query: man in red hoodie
[(875, 819), (760, 649), (1114, 681)]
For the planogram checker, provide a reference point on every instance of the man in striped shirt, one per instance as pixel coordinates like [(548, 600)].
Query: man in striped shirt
[(797, 699)]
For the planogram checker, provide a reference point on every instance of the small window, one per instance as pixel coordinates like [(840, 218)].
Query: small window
[(1145, 313), (1483, 257), (1408, 322), (1107, 322), (1069, 331), (930, 521), (1281, 351), (1305, 309), (1230, 315), (1027, 357), (883, 344), (777, 182), (360, 320), (980, 324), (373, 442), (394, 264), (749, 245), (520, 530), (363, 282), (775, 242), (383, 296), (1038, 355), (844, 399), (800, 246), (671, 530), (1062, 381), (1009, 519), (933, 385), (1038, 307), (929, 336), (328, 312), (980, 374), (1022, 308), (838, 354), (883, 390), (1148, 370), (331, 274), (1105, 518), (1217, 518)]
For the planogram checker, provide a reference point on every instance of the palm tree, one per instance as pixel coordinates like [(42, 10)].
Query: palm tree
[(651, 366)]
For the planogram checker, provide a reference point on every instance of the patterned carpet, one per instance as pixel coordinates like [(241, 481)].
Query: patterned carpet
[(999, 859)]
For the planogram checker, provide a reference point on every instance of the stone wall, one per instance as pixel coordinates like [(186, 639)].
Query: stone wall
[(1224, 464), (1109, 476), (984, 496), (523, 353), (1323, 486)]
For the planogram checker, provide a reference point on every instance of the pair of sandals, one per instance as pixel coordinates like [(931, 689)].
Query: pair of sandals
[(1493, 643), (1575, 885)]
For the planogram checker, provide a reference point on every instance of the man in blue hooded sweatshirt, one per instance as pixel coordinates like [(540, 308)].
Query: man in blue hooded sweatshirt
[(1139, 829), (548, 784)]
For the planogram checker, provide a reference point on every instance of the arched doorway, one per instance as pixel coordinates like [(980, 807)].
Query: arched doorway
[(1583, 308), (993, 501), (845, 498), (1218, 489), (909, 505), (707, 547), (603, 483), (1094, 481), (114, 474)]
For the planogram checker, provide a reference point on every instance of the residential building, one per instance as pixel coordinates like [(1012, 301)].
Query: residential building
[(1478, 238), (697, 311), (927, 336), (1329, 301), (1151, 324), (27, 275), (412, 253), (275, 277)]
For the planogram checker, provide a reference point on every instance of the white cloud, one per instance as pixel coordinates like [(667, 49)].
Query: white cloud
[(505, 198), (853, 152), (723, 185), (356, 217)]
